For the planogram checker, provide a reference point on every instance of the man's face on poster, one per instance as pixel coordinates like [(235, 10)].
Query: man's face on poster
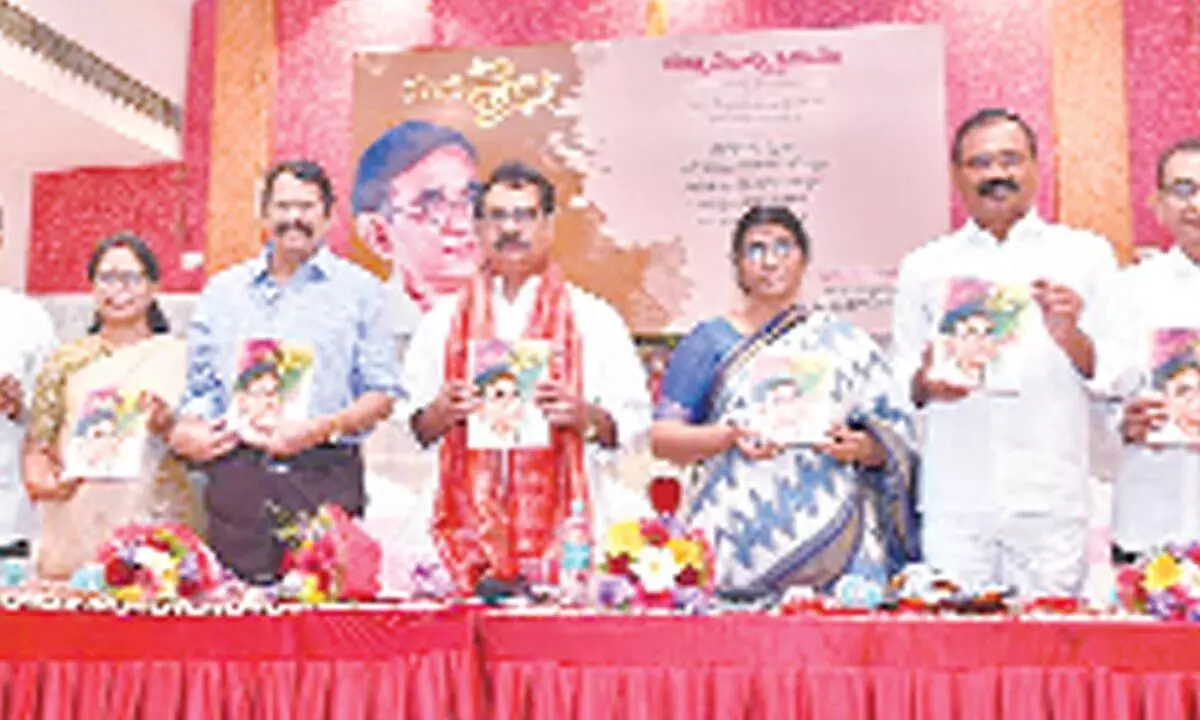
[(101, 441), (1182, 395), (502, 407), (783, 405), (430, 223), (259, 402), (971, 343)]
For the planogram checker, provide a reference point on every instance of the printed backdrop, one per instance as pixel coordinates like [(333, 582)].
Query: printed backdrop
[(656, 145)]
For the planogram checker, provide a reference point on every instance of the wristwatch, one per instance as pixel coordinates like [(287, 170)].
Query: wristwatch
[(335, 431)]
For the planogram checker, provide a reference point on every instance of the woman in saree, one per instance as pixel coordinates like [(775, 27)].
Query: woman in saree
[(94, 456), (787, 508)]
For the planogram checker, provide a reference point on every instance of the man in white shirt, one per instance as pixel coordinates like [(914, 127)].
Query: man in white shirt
[(28, 339), (1004, 491), (497, 512), (1157, 493)]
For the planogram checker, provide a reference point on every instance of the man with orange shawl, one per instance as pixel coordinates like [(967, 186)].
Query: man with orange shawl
[(498, 510)]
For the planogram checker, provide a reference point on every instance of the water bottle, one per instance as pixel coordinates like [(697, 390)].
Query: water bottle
[(576, 557)]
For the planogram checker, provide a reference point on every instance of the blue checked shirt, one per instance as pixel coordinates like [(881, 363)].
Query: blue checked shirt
[(330, 303)]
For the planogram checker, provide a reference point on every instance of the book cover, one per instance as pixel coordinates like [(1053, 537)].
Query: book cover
[(108, 436), (789, 401), (979, 334), (272, 384), (1175, 378), (505, 375)]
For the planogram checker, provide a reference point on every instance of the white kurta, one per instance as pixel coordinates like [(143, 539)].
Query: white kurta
[(992, 465), (613, 378), (28, 340), (1157, 493)]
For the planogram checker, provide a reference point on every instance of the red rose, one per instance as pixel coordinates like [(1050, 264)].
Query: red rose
[(619, 565), (188, 588), (117, 573), (688, 576), (159, 543), (655, 533)]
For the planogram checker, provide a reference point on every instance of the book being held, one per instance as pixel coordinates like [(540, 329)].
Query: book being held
[(1175, 379), (979, 334), (505, 375), (790, 400), (273, 384), (108, 436)]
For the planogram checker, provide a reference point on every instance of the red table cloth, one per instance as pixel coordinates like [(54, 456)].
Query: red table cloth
[(739, 667), (326, 664)]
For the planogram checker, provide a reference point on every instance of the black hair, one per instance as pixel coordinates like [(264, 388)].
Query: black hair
[(306, 171), (1191, 144), (990, 116), (515, 173), (768, 215), (155, 317)]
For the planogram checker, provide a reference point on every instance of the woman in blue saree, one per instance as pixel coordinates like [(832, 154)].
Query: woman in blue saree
[(787, 512)]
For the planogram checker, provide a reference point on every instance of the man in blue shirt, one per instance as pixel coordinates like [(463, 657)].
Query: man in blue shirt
[(290, 364)]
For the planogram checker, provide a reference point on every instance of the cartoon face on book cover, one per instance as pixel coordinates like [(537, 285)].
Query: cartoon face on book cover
[(272, 385), (789, 401), (979, 334), (1175, 378), (505, 376), (108, 436)]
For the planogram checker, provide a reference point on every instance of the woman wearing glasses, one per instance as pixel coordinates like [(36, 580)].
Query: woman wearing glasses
[(94, 455), (803, 466)]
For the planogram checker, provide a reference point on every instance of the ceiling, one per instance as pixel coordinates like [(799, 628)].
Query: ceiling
[(52, 120)]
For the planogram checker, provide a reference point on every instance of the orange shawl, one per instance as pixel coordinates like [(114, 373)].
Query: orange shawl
[(483, 524)]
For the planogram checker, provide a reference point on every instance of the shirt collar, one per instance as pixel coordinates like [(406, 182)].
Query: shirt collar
[(1023, 227), (317, 267), (1179, 262), (531, 284)]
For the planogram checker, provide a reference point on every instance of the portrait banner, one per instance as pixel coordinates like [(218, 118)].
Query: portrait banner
[(656, 146)]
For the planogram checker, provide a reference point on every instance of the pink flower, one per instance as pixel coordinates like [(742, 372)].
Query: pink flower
[(655, 532)]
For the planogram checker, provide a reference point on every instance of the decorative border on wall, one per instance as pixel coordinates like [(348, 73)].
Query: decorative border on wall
[(40, 38)]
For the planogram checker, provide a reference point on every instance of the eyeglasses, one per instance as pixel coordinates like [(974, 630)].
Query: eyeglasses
[(1007, 160), (1184, 190), (519, 216), (779, 249), (109, 279), (434, 207)]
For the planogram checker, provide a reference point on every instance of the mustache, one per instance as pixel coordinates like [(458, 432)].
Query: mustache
[(992, 188), (510, 238), (282, 227)]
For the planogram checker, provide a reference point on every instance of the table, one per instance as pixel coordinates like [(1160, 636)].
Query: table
[(468, 663), (840, 668), (330, 664)]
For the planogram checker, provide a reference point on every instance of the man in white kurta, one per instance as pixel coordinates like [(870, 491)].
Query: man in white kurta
[(28, 339), (1004, 486), (1157, 494), (514, 216)]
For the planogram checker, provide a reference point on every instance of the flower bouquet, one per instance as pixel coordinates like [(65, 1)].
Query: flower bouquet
[(329, 558), (144, 563), (1166, 584), (655, 563)]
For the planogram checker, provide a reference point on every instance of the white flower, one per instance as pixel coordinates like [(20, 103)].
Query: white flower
[(156, 561), (656, 568)]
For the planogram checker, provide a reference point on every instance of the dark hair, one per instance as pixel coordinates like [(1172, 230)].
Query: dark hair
[(393, 153), (985, 117), (1191, 144), (768, 215), (515, 173), (155, 317), (306, 171)]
